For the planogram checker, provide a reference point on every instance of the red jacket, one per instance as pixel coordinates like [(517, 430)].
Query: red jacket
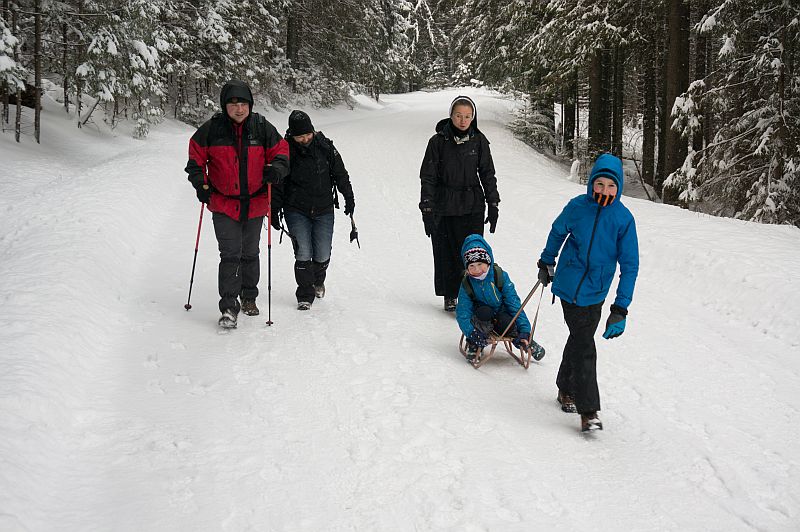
[(230, 158)]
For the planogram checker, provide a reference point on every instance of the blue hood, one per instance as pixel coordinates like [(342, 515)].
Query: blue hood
[(473, 241), (606, 165)]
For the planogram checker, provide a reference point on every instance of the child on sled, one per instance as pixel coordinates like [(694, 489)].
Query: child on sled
[(487, 302)]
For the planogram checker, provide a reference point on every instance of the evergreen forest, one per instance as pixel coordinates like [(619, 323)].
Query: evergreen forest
[(701, 96)]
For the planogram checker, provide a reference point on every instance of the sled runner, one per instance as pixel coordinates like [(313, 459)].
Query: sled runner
[(481, 356)]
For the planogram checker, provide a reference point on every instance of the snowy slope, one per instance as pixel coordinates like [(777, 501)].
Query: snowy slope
[(121, 411)]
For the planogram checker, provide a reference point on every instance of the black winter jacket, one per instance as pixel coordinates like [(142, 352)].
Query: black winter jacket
[(457, 178), (314, 172)]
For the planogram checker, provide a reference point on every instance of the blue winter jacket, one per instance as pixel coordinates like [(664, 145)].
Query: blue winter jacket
[(486, 293), (597, 238)]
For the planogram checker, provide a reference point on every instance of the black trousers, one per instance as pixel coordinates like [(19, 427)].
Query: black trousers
[(577, 375), (239, 267), (447, 238)]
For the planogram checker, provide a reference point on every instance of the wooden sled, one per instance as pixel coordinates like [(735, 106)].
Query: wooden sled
[(525, 354), (523, 359)]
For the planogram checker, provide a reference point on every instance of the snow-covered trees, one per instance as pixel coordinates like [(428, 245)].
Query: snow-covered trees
[(750, 168)]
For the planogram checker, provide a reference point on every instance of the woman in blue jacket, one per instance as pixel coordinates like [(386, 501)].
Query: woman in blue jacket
[(599, 232)]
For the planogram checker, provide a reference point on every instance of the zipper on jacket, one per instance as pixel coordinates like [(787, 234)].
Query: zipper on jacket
[(588, 253)]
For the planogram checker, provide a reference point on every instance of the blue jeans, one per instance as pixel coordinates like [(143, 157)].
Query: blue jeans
[(311, 239), (312, 235)]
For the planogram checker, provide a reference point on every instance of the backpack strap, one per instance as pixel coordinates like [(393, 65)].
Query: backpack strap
[(331, 162)]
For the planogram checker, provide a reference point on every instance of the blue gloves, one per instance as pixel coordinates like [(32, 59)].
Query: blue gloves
[(478, 338), (521, 337), (615, 325)]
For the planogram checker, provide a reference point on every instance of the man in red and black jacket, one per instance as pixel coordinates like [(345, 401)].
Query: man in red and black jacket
[(233, 157)]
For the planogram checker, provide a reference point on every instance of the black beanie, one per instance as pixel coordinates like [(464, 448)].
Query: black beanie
[(299, 124)]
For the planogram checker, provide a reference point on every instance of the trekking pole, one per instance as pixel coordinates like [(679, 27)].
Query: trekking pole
[(188, 305), (269, 254), (530, 294)]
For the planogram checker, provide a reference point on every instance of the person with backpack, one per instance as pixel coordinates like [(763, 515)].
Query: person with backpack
[(306, 200), (457, 181), (233, 158), (488, 301), (599, 232)]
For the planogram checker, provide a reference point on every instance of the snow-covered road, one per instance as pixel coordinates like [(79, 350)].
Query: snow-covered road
[(121, 411)]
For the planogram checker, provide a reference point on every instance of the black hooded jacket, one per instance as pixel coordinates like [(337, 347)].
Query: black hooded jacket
[(457, 176), (314, 172)]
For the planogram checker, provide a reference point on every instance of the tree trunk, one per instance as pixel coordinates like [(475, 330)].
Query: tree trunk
[(65, 66), (6, 90), (78, 80), (568, 118), (676, 82), (700, 71), (18, 117), (598, 105), (649, 120), (293, 40), (618, 100), (37, 70)]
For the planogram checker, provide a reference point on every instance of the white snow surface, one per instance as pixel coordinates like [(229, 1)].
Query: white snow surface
[(120, 410)]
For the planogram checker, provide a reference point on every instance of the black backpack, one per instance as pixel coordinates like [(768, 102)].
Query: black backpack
[(498, 281)]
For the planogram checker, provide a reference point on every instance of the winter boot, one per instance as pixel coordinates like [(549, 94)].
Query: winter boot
[(249, 307), (567, 402), (590, 422), (472, 351), (450, 304), (319, 290), (303, 305), (228, 319), (537, 351)]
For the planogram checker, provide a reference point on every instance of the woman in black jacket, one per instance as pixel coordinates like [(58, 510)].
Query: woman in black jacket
[(457, 178), (307, 198)]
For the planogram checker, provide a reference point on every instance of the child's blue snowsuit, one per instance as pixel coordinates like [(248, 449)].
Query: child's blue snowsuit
[(486, 293)]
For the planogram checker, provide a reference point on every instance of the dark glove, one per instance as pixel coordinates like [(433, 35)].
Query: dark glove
[(615, 325), (521, 340), (203, 194), (275, 219), (427, 217), (270, 175), (349, 206), (478, 338), (546, 272), (430, 224), (491, 217)]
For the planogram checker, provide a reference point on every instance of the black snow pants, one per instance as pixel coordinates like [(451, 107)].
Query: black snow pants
[(447, 238), (577, 375), (239, 268)]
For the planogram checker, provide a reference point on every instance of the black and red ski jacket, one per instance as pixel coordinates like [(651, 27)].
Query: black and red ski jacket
[(231, 160)]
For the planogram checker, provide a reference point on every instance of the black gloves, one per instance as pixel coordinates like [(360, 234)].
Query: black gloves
[(349, 206), (202, 189), (545, 272), (270, 175), (478, 338), (491, 217), (203, 194), (430, 224), (427, 217)]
